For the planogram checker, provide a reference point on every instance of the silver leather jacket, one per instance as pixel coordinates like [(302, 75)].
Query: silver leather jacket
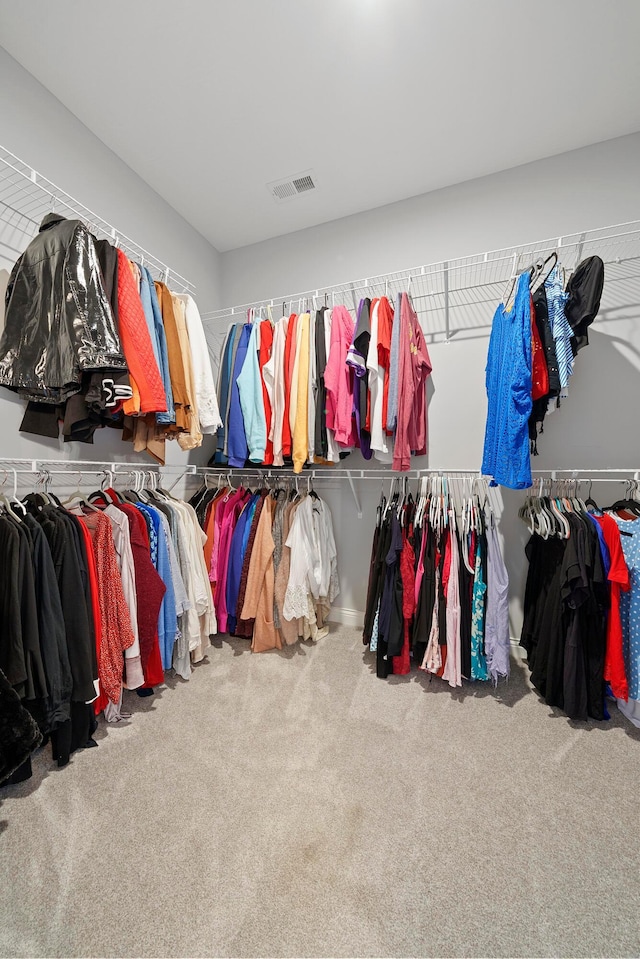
[(58, 319)]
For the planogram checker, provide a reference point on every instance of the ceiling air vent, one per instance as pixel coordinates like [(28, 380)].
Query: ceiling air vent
[(282, 190), (304, 183)]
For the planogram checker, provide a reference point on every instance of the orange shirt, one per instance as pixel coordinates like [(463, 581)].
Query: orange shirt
[(136, 345)]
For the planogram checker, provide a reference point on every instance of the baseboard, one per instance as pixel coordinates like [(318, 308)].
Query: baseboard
[(347, 617), (516, 649), (355, 618)]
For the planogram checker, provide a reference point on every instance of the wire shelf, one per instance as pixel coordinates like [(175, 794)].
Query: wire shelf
[(453, 296), (26, 197)]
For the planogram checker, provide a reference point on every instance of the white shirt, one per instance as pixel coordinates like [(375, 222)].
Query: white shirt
[(203, 382), (313, 574), (376, 387)]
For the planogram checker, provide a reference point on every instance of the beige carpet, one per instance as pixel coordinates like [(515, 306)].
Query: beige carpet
[(293, 804)]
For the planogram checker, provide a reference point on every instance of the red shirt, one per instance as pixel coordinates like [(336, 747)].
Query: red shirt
[(117, 634), (402, 663), (150, 591), (539, 369), (614, 668)]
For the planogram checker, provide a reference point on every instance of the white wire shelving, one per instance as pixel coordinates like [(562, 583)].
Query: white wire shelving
[(26, 197), (63, 469), (458, 296)]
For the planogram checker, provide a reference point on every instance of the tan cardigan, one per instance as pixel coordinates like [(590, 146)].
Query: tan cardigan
[(288, 627), (258, 600)]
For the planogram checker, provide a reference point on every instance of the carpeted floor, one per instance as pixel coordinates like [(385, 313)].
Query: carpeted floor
[(292, 804)]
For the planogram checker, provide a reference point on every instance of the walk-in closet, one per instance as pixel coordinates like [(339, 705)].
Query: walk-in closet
[(319, 478)]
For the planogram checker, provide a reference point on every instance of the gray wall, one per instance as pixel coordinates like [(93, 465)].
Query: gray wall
[(583, 189), (597, 426), (37, 128)]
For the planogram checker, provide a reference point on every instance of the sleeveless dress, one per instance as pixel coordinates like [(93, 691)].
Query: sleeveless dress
[(506, 455)]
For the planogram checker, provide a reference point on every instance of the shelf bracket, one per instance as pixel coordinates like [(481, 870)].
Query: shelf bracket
[(355, 494), (447, 327)]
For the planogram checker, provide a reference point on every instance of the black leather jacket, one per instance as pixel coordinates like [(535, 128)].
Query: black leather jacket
[(58, 320)]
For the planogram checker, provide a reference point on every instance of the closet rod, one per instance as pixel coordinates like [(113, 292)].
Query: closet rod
[(329, 473), (574, 470), (267, 473), (28, 194), (30, 465)]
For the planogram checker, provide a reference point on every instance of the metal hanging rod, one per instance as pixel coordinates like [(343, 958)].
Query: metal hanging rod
[(329, 473), (26, 197), (60, 467), (455, 283), (574, 471)]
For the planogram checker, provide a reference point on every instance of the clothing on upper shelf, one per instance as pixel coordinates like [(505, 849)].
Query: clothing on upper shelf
[(92, 341), (312, 387), (437, 592), (530, 359), (98, 596), (508, 383), (272, 563)]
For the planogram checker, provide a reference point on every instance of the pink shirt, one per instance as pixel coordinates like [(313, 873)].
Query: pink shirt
[(338, 378), (414, 366), (234, 506)]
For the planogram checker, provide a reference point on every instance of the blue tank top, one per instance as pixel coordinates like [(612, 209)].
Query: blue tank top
[(506, 455)]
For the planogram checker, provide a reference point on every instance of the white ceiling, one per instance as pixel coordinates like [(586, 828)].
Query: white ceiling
[(209, 100)]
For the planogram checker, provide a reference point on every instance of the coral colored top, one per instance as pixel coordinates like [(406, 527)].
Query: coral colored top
[(137, 346), (414, 366), (117, 634), (385, 326)]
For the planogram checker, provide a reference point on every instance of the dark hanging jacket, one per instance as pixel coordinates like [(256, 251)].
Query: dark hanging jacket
[(357, 359), (58, 320), (585, 290)]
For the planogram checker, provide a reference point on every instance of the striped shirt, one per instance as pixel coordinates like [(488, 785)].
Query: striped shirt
[(562, 333)]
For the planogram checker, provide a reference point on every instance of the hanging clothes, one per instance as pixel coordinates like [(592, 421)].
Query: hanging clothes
[(339, 379), (357, 360), (108, 350), (414, 366), (564, 629), (312, 387), (428, 592), (203, 384), (506, 456), (273, 565)]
